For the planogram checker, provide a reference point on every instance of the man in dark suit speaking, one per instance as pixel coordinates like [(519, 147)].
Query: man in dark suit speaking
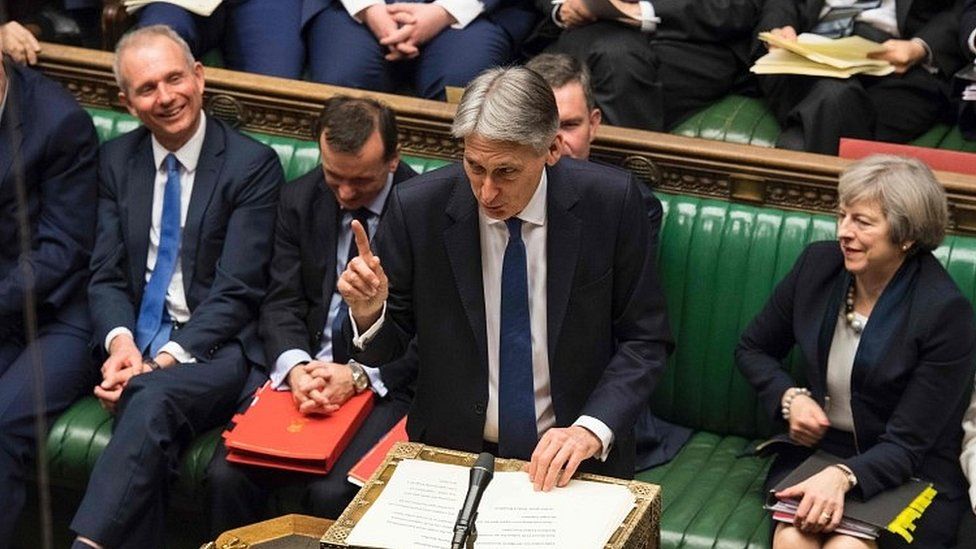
[(528, 283), (186, 209)]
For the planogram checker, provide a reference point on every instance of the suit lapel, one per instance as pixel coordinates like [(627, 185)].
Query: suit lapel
[(562, 249), (326, 217), (10, 125), (141, 180), (465, 260), (204, 183)]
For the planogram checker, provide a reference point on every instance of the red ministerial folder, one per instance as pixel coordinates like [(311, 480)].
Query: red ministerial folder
[(364, 468), (273, 433)]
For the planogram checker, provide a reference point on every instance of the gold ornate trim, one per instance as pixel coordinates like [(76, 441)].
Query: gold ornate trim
[(683, 165)]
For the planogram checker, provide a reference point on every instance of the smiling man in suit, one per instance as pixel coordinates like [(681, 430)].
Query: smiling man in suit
[(48, 145), (186, 208), (529, 285), (303, 312)]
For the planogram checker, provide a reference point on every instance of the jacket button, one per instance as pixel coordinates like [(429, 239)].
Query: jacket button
[(479, 408)]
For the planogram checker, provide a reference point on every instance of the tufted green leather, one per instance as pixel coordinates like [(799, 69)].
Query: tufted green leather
[(719, 261), (747, 120)]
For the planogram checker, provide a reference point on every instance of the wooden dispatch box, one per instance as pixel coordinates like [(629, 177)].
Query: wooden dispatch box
[(640, 530)]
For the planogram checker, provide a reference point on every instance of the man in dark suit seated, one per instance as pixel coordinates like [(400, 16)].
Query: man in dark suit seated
[(49, 149), (529, 285), (186, 210), (673, 59), (920, 40), (382, 46), (303, 311), (259, 36)]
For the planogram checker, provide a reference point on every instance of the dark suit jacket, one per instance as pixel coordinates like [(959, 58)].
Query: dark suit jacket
[(912, 373), (225, 246), (934, 21), (515, 16), (608, 334), (715, 21), (966, 26), (45, 135), (303, 271)]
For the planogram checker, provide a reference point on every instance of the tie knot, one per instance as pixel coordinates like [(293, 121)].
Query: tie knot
[(361, 215), (514, 227), (171, 162)]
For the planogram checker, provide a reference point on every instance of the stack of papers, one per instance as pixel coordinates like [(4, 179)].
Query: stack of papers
[(199, 7), (419, 505), (814, 55)]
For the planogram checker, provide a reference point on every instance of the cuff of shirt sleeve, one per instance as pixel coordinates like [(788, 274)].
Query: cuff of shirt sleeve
[(177, 351), (284, 364), (116, 332), (463, 11), (354, 7), (601, 431), (554, 14), (360, 341), (375, 380), (929, 62), (972, 41), (649, 19)]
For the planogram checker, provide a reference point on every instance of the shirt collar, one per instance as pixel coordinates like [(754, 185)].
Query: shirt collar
[(189, 154), (534, 212)]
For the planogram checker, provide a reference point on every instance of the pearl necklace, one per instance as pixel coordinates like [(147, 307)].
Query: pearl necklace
[(852, 320)]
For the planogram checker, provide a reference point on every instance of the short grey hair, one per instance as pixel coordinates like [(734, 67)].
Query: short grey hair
[(508, 104), (913, 202), (140, 36), (560, 69)]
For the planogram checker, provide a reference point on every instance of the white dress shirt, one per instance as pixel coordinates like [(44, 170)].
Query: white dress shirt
[(968, 457), (292, 357), (463, 11), (494, 239), (188, 157)]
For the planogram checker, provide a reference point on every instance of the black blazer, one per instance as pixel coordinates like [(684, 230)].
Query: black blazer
[(608, 335), (303, 271), (55, 146), (934, 21), (912, 373), (225, 246)]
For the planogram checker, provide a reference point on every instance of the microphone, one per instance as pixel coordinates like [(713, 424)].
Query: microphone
[(481, 473)]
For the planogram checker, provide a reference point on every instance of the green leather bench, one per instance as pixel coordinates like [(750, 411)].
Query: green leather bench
[(746, 120), (719, 261)]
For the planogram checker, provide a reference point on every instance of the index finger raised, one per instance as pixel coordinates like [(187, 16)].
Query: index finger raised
[(362, 241)]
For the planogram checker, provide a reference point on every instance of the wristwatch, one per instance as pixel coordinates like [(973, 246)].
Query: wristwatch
[(359, 378)]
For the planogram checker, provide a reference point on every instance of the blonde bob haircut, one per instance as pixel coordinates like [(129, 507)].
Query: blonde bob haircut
[(913, 202)]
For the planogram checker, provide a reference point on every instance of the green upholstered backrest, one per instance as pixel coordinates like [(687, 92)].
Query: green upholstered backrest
[(719, 262), (297, 156)]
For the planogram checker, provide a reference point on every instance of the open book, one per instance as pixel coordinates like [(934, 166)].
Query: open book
[(199, 7), (814, 55)]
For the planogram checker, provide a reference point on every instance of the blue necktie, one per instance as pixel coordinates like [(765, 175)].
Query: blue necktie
[(152, 332), (838, 22), (340, 353), (517, 431)]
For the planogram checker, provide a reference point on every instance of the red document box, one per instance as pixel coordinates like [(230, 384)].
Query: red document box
[(272, 433), (364, 468)]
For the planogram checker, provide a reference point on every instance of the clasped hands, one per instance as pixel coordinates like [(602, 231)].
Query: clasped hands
[(902, 54), (821, 496), (124, 362), (364, 286), (319, 387), (404, 27)]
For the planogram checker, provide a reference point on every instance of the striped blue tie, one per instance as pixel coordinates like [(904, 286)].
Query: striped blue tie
[(517, 431), (838, 22), (151, 332)]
